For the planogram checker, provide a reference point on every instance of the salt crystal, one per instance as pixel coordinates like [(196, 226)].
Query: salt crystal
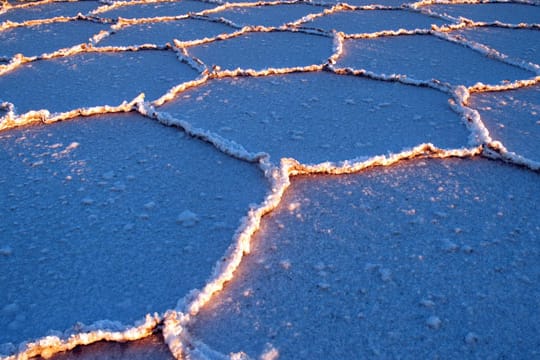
[(187, 218), (434, 322), (471, 338), (87, 201), (108, 175)]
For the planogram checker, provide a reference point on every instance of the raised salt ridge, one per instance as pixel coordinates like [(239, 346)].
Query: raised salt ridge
[(178, 170)]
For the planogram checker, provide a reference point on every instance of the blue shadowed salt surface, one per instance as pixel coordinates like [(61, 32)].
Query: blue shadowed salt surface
[(513, 117), (387, 263), (165, 32), (40, 39), (84, 77), (505, 13), (206, 207), (426, 57), (156, 9), (265, 50), (321, 116), (97, 233), (267, 15), (48, 10), (370, 21), (507, 41)]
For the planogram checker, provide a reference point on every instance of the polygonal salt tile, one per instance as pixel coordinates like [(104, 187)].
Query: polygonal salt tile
[(316, 117), (266, 49), (275, 15), (512, 117), (164, 32), (92, 79), (439, 259), (48, 10), (111, 217), (506, 13), (157, 9), (150, 348), (392, 3), (369, 21), (517, 43), (426, 57), (46, 38)]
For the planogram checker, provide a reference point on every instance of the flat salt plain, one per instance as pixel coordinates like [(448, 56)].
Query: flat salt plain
[(189, 179)]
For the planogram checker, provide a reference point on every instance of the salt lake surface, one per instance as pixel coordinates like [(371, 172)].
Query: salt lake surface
[(288, 179)]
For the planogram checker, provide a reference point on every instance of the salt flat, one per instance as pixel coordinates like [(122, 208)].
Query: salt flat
[(294, 180)]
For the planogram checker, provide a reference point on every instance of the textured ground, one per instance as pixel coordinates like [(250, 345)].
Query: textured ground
[(289, 179)]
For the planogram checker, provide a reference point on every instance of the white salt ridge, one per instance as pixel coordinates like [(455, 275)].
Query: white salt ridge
[(174, 322)]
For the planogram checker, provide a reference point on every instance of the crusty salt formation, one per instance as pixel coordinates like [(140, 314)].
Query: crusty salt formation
[(281, 90)]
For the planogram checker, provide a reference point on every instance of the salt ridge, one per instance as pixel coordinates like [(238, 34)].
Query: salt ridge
[(175, 322)]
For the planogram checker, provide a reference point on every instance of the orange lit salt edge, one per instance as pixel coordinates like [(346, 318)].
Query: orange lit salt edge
[(175, 322)]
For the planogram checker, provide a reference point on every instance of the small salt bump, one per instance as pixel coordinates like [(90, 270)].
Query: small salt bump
[(434, 322), (150, 205), (109, 175), (449, 246), (129, 226), (187, 218), (285, 264), (6, 251), (471, 338), (10, 309), (118, 186), (87, 201), (427, 303), (386, 274), (144, 216), (323, 286)]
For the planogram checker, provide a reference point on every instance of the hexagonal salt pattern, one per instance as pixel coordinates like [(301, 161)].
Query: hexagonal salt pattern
[(517, 43), (46, 38), (35, 85), (47, 10), (426, 57), (165, 32), (512, 117), (111, 218), (505, 13), (431, 258), (316, 117), (370, 21), (266, 49), (275, 15)]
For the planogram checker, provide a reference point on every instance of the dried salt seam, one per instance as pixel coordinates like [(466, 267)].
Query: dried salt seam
[(185, 57), (495, 149), (19, 59), (478, 88), (175, 322), (22, 5), (226, 146), (473, 2), (50, 345), (173, 92), (228, 5), (489, 52), (11, 120), (113, 5), (344, 7), (6, 25), (246, 30)]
